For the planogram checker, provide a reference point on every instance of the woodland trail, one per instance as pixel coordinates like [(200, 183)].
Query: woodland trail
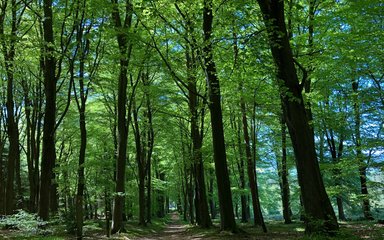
[(174, 230)]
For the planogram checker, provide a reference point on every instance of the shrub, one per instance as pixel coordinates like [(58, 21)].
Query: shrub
[(27, 223)]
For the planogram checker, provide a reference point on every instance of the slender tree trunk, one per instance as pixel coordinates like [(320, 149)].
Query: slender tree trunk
[(2, 182), (81, 98), (212, 205), (320, 216), (80, 174), (183, 172), (196, 196), (336, 155), (148, 146), (140, 160), (29, 129), (219, 154), (359, 154), (201, 204), (283, 174), (190, 197), (13, 164), (240, 163), (36, 140), (251, 169), (149, 191)]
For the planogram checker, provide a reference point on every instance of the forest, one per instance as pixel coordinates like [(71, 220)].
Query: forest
[(194, 119)]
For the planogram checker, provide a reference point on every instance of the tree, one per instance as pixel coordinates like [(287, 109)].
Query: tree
[(316, 202), (222, 176), (359, 154), (49, 151), (87, 67), (283, 174), (9, 51), (122, 27)]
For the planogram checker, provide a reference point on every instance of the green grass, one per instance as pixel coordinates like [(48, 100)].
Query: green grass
[(276, 231)]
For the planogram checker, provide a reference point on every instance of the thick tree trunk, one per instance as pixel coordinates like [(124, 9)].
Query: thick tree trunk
[(122, 126), (49, 151), (320, 216), (219, 154)]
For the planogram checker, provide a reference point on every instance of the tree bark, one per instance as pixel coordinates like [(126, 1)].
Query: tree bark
[(13, 163), (240, 162), (49, 151), (320, 216), (201, 205), (283, 174), (81, 98), (160, 213), (122, 126), (148, 144), (140, 160), (219, 154)]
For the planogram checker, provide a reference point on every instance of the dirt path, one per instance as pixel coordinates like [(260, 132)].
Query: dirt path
[(174, 230)]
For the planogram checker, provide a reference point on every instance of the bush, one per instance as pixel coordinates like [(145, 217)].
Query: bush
[(25, 222), (69, 221)]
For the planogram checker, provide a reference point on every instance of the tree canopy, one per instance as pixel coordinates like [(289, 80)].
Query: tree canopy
[(228, 112)]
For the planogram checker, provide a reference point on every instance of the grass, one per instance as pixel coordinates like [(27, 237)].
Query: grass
[(276, 231)]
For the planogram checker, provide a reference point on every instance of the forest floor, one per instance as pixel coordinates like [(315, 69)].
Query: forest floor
[(174, 228)]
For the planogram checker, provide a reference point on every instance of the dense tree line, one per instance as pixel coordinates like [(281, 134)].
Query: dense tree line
[(216, 108)]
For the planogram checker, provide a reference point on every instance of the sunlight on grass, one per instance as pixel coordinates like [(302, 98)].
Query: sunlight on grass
[(299, 229)]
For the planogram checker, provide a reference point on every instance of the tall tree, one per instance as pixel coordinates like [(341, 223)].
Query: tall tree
[(122, 27), (33, 98), (251, 166), (283, 174), (49, 151), (219, 153), (320, 216), (359, 153), (87, 67), (9, 51), (251, 169)]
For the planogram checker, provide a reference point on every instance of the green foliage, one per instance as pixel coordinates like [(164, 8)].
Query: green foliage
[(28, 224), (68, 219)]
